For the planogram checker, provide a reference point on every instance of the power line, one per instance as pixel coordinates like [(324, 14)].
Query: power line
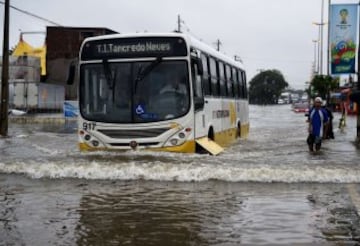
[(32, 15)]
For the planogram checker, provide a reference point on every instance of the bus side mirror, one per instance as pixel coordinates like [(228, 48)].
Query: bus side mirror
[(198, 103), (198, 62), (71, 74), (200, 66)]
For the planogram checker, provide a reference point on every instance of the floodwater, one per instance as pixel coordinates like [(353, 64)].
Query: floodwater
[(267, 189)]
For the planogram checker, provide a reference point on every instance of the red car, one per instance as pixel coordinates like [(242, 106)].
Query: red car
[(300, 107)]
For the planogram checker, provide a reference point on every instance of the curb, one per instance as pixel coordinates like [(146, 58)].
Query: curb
[(40, 120)]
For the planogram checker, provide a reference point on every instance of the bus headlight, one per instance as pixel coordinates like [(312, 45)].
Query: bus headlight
[(173, 141), (95, 143), (89, 139), (178, 138)]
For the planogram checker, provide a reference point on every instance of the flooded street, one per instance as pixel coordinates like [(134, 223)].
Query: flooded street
[(267, 189)]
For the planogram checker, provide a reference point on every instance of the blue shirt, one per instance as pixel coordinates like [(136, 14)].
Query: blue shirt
[(317, 118)]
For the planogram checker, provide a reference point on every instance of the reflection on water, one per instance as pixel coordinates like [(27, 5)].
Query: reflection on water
[(103, 212), (139, 214), (264, 190)]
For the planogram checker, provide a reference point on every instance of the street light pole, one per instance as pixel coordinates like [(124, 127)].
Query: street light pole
[(322, 37), (328, 43), (358, 92), (315, 67), (358, 74), (320, 47), (5, 74)]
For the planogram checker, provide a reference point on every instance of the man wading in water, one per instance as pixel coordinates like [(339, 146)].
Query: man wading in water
[(318, 119)]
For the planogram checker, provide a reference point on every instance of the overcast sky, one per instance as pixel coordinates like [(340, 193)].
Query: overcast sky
[(266, 34)]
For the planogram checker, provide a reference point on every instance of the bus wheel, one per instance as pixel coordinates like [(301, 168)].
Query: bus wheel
[(199, 149), (238, 130), (211, 134)]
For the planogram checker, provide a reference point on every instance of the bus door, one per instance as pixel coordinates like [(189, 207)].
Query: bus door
[(201, 111), (200, 127)]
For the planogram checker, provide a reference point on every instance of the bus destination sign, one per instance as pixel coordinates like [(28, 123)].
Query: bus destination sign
[(133, 47)]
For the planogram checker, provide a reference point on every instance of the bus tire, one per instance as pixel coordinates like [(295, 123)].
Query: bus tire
[(238, 130), (211, 135), (199, 149)]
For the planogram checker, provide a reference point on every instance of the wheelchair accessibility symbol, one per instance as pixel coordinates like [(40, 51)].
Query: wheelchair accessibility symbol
[(139, 109)]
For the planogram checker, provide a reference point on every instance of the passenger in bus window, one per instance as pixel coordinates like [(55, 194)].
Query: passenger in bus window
[(173, 98)]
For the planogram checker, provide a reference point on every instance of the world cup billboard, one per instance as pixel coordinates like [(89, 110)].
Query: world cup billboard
[(343, 36)]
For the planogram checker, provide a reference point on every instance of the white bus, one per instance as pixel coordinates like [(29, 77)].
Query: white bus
[(167, 92)]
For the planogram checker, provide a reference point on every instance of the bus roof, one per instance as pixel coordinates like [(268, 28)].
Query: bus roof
[(193, 42)]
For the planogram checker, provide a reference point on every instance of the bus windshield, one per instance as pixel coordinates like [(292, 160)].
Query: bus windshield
[(134, 92)]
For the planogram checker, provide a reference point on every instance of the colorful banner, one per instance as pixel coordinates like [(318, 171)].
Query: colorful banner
[(343, 36), (71, 109)]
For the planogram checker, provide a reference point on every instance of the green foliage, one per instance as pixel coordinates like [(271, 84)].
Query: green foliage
[(266, 87), (322, 85)]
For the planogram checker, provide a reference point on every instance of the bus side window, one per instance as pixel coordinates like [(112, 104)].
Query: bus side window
[(221, 78), (244, 84), (214, 81), (206, 75), (235, 83), (197, 85), (240, 83), (229, 81)]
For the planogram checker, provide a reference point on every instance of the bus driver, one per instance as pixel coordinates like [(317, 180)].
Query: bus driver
[(174, 85)]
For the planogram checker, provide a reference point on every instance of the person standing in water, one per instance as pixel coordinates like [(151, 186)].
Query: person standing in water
[(318, 119)]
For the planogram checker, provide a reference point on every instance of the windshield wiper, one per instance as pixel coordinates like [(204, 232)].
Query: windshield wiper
[(143, 72), (109, 78)]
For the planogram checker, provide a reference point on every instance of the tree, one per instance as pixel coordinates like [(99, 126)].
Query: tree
[(322, 85), (266, 87)]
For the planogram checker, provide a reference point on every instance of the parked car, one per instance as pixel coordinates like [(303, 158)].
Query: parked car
[(302, 107), (281, 101)]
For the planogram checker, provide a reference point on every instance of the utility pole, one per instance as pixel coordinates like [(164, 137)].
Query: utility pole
[(5, 74), (358, 88), (179, 24), (218, 44), (358, 71)]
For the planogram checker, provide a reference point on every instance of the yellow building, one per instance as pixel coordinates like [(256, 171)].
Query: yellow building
[(25, 49)]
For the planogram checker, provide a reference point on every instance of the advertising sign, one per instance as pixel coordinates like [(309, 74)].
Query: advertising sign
[(343, 33)]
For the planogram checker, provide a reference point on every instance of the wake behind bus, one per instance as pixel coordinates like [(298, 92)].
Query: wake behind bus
[(159, 91)]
